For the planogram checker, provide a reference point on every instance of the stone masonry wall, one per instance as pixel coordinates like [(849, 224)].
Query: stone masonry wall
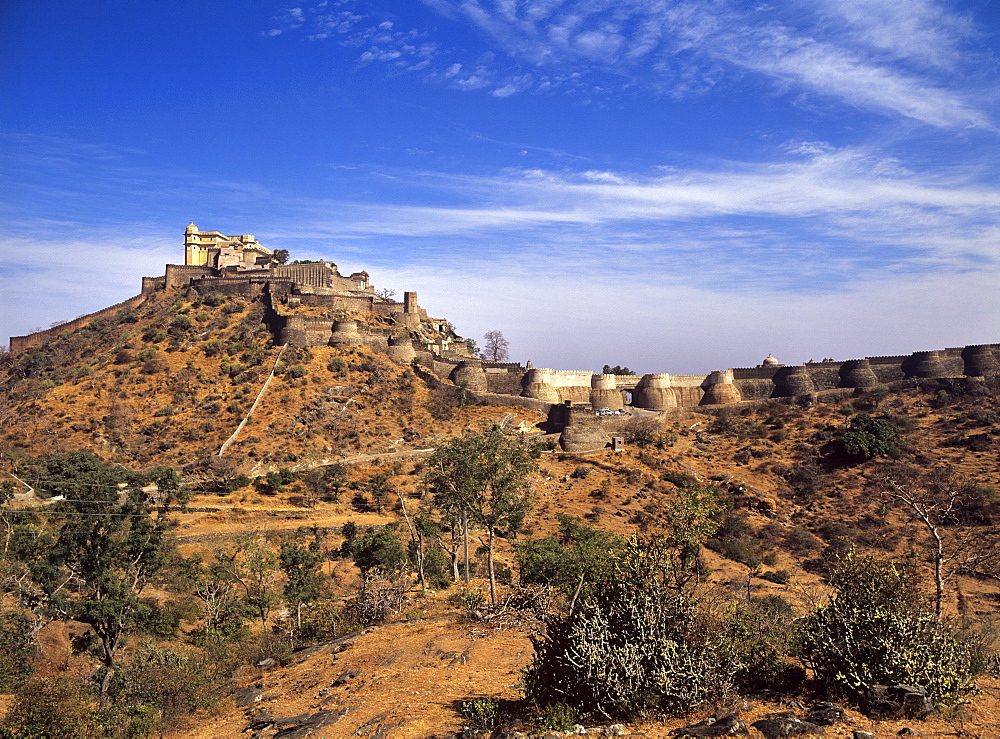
[(19, 343)]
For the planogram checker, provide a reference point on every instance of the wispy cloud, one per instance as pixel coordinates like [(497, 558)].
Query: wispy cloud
[(892, 58), (722, 247), (920, 31)]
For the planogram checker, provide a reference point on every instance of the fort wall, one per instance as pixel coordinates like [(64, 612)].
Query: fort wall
[(19, 343), (181, 275), (241, 267)]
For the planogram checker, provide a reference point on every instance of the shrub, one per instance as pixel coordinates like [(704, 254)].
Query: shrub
[(379, 548), (168, 682), (778, 577), (49, 707), (733, 526), (876, 631), (437, 568), (632, 647), (558, 717), (743, 550), (180, 325), (323, 620), (869, 437), (338, 366), (156, 620), (680, 479), (377, 599), (756, 641), (16, 649), (799, 539), (482, 713), (579, 551)]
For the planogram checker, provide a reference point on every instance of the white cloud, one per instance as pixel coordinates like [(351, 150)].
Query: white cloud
[(842, 74), (34, 296), (792, 256), (923, 31), (505, 91), (846, 50)]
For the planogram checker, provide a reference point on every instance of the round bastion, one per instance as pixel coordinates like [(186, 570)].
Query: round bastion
[(926, 365), (980, 361), (401, 351), (537, 383), (345, 333), (470, 375), (654, 392), (857, 373), (604, 392), (721, 389)]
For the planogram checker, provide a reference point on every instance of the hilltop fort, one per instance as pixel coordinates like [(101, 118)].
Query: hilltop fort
[(311, 304)]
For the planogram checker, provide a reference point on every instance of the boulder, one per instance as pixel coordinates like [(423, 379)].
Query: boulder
[(728, 725), (893, 701), (780, 725), (825, 714)]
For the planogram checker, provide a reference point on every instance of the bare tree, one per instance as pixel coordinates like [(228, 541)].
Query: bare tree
[(951, 510), (496, 348), (385, 293)]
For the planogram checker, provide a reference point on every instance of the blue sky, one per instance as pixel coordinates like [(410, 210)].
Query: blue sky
[(673, 186)]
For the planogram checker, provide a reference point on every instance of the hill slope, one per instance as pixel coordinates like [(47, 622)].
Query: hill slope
[(169, 382)]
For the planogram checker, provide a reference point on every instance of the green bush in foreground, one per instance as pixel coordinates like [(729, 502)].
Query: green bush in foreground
[(49, 707), (875, 631), (633, 647)]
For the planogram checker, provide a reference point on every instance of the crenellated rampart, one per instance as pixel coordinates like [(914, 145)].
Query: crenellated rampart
[(19, 343), (294, 294)]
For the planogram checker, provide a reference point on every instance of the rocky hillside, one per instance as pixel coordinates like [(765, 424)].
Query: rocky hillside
[(168, 383)]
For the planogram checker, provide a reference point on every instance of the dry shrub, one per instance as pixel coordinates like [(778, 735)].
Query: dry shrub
[(379, 597)]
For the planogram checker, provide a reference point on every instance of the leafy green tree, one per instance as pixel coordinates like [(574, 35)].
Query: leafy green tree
[(616, 370), (315, 486), (379, 548), (301, 566), (49, 707), (101, 548), (868, 437), (690, 522), (156, 686), (279, 256), (16, 649), (483, 478), (379, 488), (274, 482), (575, 561), (252, 563)]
